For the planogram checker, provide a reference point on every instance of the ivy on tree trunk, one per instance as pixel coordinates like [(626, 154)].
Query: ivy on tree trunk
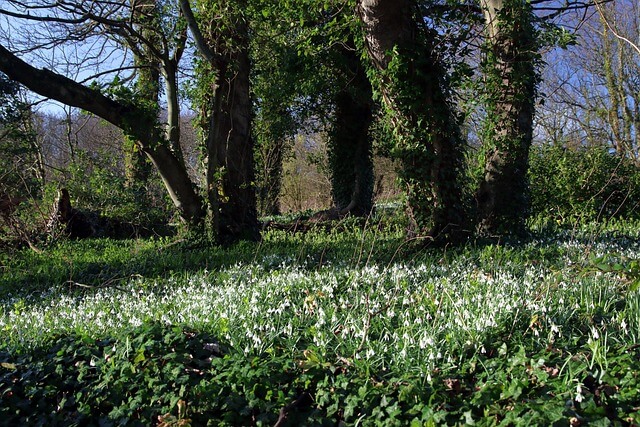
[(223, 41), (414, 89), (511, 80), (230, 169)]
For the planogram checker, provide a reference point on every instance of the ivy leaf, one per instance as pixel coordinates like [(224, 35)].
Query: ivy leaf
[(140, 357)]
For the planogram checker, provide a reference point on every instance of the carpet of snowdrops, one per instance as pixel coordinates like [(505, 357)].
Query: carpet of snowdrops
[(407, 315)]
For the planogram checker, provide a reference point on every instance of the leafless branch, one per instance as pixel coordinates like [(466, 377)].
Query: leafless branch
[(615, 33), (201, 43)]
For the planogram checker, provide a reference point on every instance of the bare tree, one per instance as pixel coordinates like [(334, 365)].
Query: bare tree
[(104, 30), (596, 84)]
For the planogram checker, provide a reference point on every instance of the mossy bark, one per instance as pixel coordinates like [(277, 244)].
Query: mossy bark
[(225, 99), (230, 168), (511, 79), (414, 89)]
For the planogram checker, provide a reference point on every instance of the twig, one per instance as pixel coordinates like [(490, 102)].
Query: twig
[(613, 31), (108, 284), (285, 410)]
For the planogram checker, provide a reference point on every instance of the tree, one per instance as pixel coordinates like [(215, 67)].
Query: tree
[(350, 151), (510, 88), (102, 23), (135, 120), (278, 110), (309, 75), (229, 147), (594, 90), (147, 85), (222, 38), (414, 88)]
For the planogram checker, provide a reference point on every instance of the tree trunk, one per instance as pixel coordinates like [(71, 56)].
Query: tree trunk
[(137, 123), (137, 168), (413, 88), (230, 174), (511, 79), (230, 169), (173, 109), (350, 145)]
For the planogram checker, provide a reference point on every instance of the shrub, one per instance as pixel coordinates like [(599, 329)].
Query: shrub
[(584, 184), (97, 184)]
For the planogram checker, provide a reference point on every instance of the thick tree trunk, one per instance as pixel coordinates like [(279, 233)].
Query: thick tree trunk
[(511, 78), (230, 173), (413, 88), (136, 123), (230, 168), (350, 145)]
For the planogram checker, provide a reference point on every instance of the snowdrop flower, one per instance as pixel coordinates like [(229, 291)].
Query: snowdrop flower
[(579, 397)]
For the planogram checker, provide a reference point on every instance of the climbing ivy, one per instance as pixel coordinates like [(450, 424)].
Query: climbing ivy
[(419, 113), (510, 69)]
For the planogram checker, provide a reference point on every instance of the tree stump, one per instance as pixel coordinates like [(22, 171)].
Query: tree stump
[(67, 220)]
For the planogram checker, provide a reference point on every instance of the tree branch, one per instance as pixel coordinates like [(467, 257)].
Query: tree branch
[(201, 43), (62, 89), (614, 32), (30, 17)]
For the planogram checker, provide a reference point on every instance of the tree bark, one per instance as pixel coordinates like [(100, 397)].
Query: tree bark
[(133, 121), (511, 79), (413, 88), (350, 145), (137, 168), (230, 173), (173, 109), (230, 169)]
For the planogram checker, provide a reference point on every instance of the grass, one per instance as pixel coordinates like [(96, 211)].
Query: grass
[(348, 325)]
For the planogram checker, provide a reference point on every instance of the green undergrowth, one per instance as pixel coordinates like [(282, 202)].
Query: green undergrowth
[(176, 376), (348, 325)]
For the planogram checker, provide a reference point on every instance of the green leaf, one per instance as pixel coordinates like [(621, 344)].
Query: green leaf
[(140, 357), (468, 418)]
